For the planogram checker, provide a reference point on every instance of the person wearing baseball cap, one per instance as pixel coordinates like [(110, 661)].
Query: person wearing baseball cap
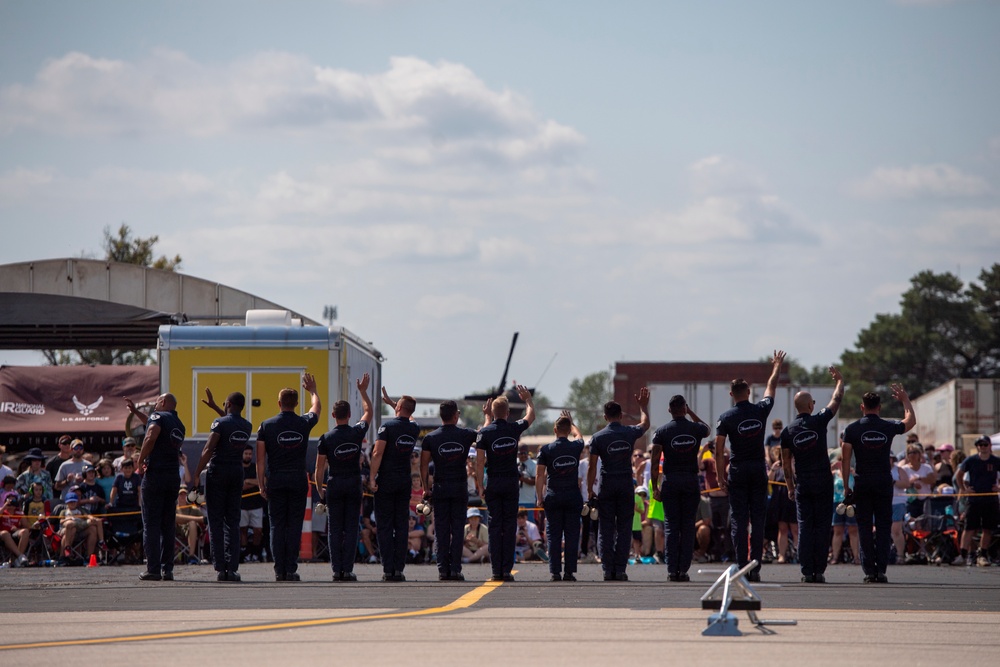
[(128, 452), (71, 471), (984, 506), (73, 521), (64, 454)]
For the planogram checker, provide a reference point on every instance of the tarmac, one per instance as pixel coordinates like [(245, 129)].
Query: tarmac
[(926, 615)]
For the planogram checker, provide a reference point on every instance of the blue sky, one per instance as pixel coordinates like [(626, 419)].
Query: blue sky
[(636, 181)]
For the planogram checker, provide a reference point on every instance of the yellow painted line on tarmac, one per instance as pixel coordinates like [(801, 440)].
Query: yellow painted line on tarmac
[(463, 602)]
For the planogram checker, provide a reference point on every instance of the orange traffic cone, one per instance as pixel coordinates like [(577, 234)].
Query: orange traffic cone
[(93, 561)]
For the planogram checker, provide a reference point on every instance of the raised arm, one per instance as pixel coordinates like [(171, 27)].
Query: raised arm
[(210, 402), (838, 391), (772, 382), (525, 395), (136, 412), (366, 401), (909, 417), (642, 398), (309, 384)]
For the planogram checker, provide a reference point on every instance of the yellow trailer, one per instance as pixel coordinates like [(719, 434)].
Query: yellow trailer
[(260, 361)]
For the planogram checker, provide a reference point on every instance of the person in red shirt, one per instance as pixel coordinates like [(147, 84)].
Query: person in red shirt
[(14, 529)]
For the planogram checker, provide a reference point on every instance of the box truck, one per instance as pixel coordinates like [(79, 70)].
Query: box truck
[(259, 359), (958, 412)]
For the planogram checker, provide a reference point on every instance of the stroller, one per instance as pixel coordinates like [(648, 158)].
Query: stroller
[(933, 537)]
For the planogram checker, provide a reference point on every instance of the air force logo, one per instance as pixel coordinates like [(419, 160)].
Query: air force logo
[(87, 409)]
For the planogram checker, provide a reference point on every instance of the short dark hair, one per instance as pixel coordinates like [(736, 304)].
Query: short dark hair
[(408, 404), (288, 398), (128, 462), (564, 425), (871, 400), (341, 410), (612, 410), (237, 400), (677, 403), (739, 387), (448, 410), (522, 512)]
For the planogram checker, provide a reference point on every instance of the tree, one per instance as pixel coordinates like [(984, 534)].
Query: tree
[(119, 247), (944, 330), (586, 400)]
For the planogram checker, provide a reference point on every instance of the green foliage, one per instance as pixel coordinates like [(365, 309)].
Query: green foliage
[(119, 247), (586, 400), (944, 330)]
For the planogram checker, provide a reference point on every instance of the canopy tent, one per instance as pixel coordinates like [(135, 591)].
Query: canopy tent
[(72, 399)]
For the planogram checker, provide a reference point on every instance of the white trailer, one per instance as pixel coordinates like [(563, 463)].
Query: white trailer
[(958, 412)]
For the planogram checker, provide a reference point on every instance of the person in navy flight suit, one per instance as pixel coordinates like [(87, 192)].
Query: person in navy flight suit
[(223, 457), (557, 489), (984, 509), (390, 482), (496, 456), (809, 480), (158, 461), (746, 482), (678, 442), (282, 443), (613, 446), (340, 450), (869, 439), (448, 449)]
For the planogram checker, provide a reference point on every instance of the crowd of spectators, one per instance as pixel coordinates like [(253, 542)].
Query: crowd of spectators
[(74, 504)]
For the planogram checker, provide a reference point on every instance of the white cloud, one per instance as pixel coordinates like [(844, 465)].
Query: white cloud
[(21, 182), (413, 104), (957, 227), (919, 180), (445, 306), (731, 203)]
